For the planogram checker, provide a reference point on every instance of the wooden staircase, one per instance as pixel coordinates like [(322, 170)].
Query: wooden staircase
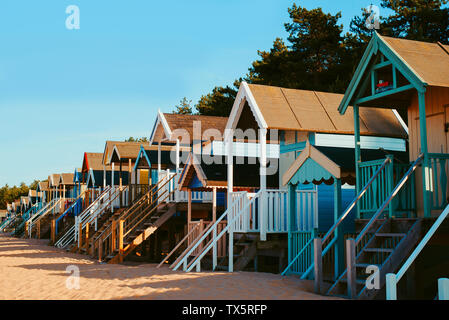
[(391, 241), (126, 230), (245, 251), (142, 232)]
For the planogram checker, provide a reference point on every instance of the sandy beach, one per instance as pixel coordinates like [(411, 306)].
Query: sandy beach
[(30, 269)]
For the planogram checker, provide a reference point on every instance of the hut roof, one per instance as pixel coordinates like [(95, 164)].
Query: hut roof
[(66, 179), (43, 185), (109, 147), (313, 111), (429, 61), (168, 125), (53, 180), (92, 160)]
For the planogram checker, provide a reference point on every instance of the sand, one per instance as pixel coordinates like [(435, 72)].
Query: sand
[(30, 269)]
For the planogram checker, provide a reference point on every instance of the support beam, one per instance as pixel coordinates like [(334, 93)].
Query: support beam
[(263, 184), (350, 265), (426, 174), (338, 233), (358, 158), (230, 160), (318, 265)]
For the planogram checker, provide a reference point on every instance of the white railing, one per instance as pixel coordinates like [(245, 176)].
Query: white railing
[(178, 195), (72, 234), (212, 233), (276, 209), (106, 200), (55, 205)]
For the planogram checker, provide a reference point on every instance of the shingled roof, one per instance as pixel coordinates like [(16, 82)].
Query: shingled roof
[(66, 179), (167, 123), (313, 111), (429, 61)]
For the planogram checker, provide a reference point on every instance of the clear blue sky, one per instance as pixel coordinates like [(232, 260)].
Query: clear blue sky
[(64, 92)]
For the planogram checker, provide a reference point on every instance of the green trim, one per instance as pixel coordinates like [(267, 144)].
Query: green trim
[(384, 94), (374, 45)]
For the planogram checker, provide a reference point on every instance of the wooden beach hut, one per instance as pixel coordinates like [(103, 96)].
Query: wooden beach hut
[(278, 123), (413, 78)]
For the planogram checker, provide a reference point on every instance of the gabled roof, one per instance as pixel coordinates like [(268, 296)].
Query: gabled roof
[(42, 186), (53, 180), (92, 160), (421, 63), (167, 126), (125, 152), (149, 156), (310, 111), (66, 179), (429, 61), (109, 147)]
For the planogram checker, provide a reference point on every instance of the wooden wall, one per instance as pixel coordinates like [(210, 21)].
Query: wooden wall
[(437, 115)]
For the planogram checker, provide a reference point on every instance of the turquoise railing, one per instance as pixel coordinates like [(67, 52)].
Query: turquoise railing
[(438, 163), (329, 239), (300, 245), (74, 207), (405, 202), (393, 279), (38, 206)]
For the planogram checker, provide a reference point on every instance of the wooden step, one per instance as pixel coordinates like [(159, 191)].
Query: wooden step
[(378, 250), (365, 265), (390, 235)]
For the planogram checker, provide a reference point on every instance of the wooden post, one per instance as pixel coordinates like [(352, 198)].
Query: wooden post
[(129, 182), (80, 234), (426, 173), (120, 240), (214, 235), (100, 248), (350, 265), (38, 229), (230, 160), (113, 235), (338, 234), (158, 158), (87, 237), (291, 204), (189, 207), (263, 210), (391, 287), (358, 158), (53, 230), (318, 265), (443, 289)]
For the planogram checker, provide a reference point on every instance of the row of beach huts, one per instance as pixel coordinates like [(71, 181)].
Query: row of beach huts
[(349, 191)]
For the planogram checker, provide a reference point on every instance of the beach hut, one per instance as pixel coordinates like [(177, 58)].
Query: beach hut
[(277, 123), (412, 77)]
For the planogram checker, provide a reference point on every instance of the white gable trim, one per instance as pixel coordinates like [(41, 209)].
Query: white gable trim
[(243, 95)]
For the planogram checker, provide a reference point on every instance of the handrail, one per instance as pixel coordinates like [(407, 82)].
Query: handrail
[(340, 219), (353, 203), (209, 246), (194, 242), (142, 200), (391, 278), (72, 205), (233, 205), (389, 198), (43, 214), (143, 216), (72, 230), (178, 245), (108, 202)]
